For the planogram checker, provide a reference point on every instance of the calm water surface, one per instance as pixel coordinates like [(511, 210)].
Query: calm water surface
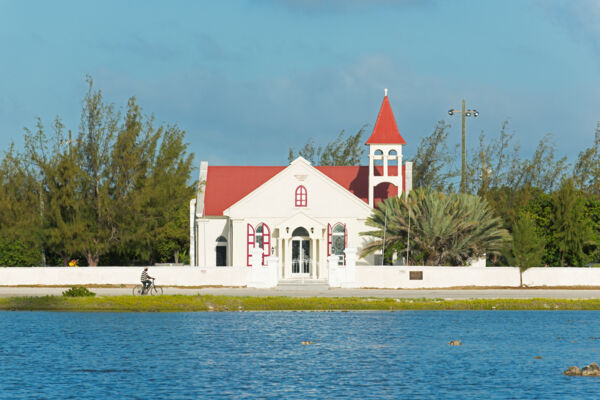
[(359, 355)]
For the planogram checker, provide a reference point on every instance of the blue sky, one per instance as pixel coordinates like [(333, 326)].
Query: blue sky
[(248, 79)]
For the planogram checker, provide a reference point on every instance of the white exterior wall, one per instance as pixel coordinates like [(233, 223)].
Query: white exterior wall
[(385, 277), (392, 277), (207, 232), (273, 203), (165, 276), (561, 276)]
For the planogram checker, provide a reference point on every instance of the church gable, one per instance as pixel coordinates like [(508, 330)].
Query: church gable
[(300, 187)]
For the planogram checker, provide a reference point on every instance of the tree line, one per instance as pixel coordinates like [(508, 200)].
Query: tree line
[(114, 193), (536, 211)]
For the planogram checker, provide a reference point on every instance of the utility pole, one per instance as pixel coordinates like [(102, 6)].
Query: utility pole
[(465, 113), (483, 174), (383, 243), (464, 152)]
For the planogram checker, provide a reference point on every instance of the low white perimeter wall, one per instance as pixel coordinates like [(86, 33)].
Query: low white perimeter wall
[(391, 277), (561, 276), (165, 276)]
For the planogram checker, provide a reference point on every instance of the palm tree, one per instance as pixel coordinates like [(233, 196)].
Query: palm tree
[(444, 230)]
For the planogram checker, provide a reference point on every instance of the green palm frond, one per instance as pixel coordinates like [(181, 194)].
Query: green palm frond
[(444, 229)]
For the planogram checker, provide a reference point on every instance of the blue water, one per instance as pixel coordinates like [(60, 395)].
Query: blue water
[(359, 355)]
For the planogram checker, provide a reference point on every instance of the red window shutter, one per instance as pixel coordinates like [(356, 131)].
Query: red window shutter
[(345, 242), (251, 241), (266, 243), (329, 240)]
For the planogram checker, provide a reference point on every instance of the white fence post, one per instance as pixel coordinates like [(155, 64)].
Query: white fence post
[(350, 269), (272, 271), (333, 274), (257, 273)]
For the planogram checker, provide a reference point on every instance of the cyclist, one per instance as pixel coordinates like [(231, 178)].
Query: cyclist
[(146, 280)]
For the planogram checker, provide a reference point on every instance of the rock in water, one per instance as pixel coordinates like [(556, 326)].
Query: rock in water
[(455, 342), (572, 371), (591, 370)]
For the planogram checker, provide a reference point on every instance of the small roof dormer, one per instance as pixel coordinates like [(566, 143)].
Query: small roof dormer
[(386, 130)]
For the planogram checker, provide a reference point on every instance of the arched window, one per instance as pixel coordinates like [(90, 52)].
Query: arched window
[(300, 231), (261, 237), (301, 196), (221, 251), (337, 240)]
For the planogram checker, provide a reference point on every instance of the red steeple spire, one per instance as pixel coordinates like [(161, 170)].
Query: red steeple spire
[(386, 131)]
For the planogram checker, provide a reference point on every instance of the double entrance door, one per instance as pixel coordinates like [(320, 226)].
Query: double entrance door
[(301, 264)]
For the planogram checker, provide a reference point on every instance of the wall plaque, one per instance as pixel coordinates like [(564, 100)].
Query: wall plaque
[(415, 275)]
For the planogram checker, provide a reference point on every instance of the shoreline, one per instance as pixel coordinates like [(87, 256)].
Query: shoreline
[(213, 303)]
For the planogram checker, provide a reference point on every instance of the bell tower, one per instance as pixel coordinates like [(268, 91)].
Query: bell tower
[(385, 146)]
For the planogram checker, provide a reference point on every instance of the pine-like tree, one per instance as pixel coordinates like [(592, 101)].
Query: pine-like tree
[(572, 229), (527, 245)]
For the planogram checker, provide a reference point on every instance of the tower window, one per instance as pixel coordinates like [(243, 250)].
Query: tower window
[(301, 196)]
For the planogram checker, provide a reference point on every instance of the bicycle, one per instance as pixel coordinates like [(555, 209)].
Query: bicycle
[(153, 290)]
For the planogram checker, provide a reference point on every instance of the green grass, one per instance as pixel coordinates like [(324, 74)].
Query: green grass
[(231, 303)]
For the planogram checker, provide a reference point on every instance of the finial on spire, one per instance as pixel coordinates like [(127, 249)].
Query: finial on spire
[(385, 91)]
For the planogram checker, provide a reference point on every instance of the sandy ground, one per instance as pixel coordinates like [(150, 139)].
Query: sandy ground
[(450, 294)]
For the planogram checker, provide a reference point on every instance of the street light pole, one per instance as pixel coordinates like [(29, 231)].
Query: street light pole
[(464, 152), (464, 113)]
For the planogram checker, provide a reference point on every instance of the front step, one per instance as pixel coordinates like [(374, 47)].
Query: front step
[(300, 284)]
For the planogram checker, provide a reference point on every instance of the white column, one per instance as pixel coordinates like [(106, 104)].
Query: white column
[(201, 255), (313, 258), (317, 258), (385, 164), (193, 262), (280, 251), (371, 175), (288, 258)]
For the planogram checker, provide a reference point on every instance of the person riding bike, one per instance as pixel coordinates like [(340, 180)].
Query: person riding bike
[(146, 280)]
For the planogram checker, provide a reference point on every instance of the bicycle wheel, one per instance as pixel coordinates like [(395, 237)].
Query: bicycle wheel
[(156, 291), (137, 290)]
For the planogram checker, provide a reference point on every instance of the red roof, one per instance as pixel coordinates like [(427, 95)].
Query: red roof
[(225, 186), (386, 130)]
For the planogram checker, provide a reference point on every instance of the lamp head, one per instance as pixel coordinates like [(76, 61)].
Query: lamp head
[(451, 112), (475, 113)]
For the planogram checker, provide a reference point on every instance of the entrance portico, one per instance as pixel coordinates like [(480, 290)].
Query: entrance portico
[(301, 247)]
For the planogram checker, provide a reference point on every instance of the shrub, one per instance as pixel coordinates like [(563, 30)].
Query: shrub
[(78, 291)]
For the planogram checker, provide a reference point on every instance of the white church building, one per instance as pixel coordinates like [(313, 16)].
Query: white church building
[(305, 217)]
